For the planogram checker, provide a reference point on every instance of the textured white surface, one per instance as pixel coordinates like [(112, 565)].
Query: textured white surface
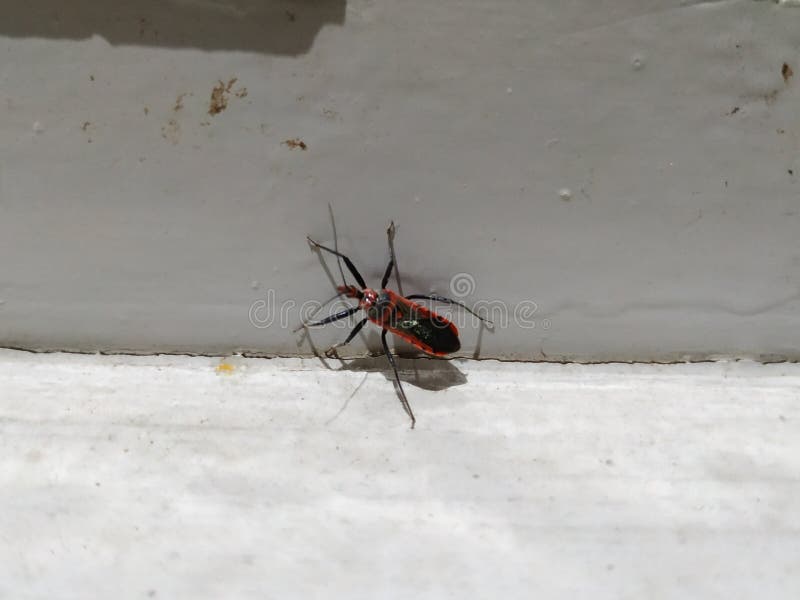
[(167, 477), (629, 166)]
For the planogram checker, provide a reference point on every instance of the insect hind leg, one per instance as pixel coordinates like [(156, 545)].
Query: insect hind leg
[(403, 399), (437, 298)]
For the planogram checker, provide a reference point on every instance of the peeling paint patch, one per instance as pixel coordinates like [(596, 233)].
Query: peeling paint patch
[(220, 94), (219, 100)]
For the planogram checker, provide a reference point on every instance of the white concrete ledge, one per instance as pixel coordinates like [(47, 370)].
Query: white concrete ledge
[(177, 477)]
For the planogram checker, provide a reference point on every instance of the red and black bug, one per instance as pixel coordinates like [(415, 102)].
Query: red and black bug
[(432, 333)]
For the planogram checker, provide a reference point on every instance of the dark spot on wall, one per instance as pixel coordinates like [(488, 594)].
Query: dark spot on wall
[(296, 143), (179, 102), (86, 128), (787, 72)]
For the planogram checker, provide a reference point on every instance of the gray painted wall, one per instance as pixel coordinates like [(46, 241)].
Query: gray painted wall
[(621, 177)]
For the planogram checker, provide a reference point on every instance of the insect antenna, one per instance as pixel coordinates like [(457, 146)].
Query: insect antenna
[(341, 272), (336, 244), (316, 310)]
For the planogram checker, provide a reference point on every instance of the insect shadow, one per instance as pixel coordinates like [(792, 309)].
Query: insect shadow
[(433, 374), (414, 368)]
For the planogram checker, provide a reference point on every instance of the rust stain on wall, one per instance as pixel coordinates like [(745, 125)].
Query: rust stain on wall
[(220, 94), (296, 143)]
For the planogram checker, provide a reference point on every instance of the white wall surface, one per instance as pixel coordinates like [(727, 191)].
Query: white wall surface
[(629, 166)]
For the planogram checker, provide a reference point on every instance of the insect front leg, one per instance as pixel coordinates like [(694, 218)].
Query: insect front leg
[(337, 317), (330, 352)]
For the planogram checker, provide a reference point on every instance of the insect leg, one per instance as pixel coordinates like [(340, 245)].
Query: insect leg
[(403, 399), (336, 243), (316, 310), (387, 274), (437, 298), (346, 260), (390, 266), (329, 352), (337, 317)]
